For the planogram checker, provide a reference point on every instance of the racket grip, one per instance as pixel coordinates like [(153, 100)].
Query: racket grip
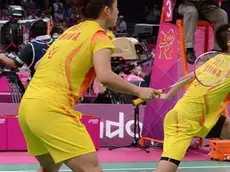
[(138, 101)]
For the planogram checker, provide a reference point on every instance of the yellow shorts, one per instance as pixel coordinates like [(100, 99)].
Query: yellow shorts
[(178, 134), (48, 129)]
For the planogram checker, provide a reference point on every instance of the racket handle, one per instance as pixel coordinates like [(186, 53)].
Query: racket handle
[(161, 91), (140, 101)]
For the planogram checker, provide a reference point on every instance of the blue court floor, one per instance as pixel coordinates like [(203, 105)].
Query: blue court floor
[(201, 166)]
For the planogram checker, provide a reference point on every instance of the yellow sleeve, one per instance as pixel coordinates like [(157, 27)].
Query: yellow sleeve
[(101, 41)]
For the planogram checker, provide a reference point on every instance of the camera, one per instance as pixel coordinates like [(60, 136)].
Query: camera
[(16, 11), (12, 31)]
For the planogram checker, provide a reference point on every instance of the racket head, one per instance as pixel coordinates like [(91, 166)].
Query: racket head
[(211, 68)]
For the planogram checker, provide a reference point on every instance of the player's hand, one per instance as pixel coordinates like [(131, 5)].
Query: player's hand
[(148, 93), (164, 97)]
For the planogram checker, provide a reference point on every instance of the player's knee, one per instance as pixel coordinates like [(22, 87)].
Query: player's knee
[(97, 168), (85, 167), (171, 160), (93, 168)]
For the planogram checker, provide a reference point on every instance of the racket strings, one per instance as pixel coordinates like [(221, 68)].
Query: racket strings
[(212, 68)]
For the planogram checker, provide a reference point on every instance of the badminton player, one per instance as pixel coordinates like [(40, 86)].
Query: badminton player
[(51, 126), (197, 113)]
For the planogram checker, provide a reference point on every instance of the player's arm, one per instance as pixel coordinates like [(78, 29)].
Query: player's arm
[(37, 64), (25, 56), (180, 84), (7, 61), (101, 87)]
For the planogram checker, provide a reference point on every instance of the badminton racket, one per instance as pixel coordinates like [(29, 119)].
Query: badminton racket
[(210, 69)]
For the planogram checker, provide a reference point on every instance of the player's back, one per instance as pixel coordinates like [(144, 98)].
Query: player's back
[(66, 71)]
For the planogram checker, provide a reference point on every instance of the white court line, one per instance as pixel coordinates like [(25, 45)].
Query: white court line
[(130, 169)]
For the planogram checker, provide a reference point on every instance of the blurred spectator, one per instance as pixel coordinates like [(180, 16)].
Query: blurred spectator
[(25, 5), (56, 30), (32, 15), (190, 10), (145, 12), (150, 18), (156, 14), (64, 25), (57, 5), (44, 16), (122, 25), (34, 50), (146, 77), (59, 15), (31, 5), (5, 14), (40, 4)]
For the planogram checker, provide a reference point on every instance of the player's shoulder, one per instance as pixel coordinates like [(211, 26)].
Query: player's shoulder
[(94, 30), (110, 34), (87, 27), (91, 26)]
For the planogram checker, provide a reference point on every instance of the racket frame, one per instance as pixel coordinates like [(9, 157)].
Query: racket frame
[(194, 71)]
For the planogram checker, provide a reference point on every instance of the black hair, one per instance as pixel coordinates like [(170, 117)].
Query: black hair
[(223, 36), (38, 28), (56, 30), (90, 9)]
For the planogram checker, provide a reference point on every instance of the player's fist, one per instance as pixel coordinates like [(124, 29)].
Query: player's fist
[(148, 94)]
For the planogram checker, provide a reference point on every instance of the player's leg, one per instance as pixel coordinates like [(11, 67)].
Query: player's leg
[(84, 163), (34, 144), (221, 129), (178, 134), (225, 132), (76, 148), (65, 138), (47, 163), (61, 135), (72, 145)]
